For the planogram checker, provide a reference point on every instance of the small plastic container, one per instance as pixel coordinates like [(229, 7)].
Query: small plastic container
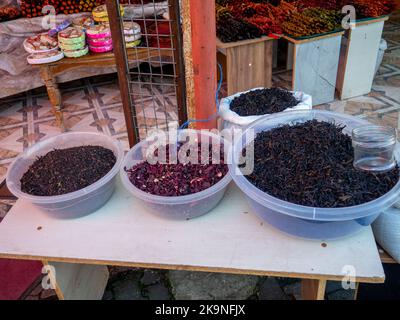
[(303, 221), (374, 148), (73, 204), (176, 208)]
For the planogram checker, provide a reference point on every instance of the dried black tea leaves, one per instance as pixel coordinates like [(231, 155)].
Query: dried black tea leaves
[(67, 170), (263, 101), (311, 164)]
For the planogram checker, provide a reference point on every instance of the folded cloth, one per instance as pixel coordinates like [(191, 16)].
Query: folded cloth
[(387, 232)]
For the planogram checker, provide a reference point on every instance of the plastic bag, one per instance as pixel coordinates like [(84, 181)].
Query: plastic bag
[(233, 120), (387, 232)]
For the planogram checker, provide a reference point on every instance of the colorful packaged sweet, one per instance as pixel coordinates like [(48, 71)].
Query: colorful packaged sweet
[(76, 53), (130, 27), (133, 43), (100, 13), (100, 42), (83, 22), (47, 57), (71, 35), (102, 49), (62, 26), (40, 43), (98, 31), (133, 37)]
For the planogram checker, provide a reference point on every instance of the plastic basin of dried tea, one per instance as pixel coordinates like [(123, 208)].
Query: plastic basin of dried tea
[(63, 171), (263, 101), (311, 164), (177, 179)]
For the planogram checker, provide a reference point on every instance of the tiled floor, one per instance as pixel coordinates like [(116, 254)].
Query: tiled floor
[(95, 105)]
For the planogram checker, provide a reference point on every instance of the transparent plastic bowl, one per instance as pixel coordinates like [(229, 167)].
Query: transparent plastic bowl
[(303, 221), (73, 204), (176, 208)]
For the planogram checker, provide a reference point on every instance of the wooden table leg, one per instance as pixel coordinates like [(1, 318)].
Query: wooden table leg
[(313, 289), (54, 94), (76, 281)]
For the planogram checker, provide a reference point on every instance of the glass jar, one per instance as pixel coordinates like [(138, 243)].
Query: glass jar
[(374, 148)]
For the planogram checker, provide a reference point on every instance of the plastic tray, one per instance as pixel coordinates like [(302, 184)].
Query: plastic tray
[(177, 208), (302, 221), (27, 49), (37, 59), (74, 204)]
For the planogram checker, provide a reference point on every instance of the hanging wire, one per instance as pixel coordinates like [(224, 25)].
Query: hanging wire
[(213, 116)]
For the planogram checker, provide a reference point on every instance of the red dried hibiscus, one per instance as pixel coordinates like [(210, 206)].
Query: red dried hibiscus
[(177, 179)]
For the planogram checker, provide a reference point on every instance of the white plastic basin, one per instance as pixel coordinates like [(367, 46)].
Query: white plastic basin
[(303, 221), (73, 204)]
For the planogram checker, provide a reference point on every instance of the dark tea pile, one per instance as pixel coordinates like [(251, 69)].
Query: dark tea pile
[(67, 170), (311, 164), (177, 179), (263, 101)]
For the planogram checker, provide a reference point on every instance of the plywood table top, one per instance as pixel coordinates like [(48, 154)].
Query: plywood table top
[(229, 239)]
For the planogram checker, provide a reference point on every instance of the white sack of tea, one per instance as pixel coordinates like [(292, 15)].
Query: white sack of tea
[(233, 120)]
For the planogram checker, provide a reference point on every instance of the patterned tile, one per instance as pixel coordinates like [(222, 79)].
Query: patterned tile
[(107, 94), (12, 113), (14, 140)]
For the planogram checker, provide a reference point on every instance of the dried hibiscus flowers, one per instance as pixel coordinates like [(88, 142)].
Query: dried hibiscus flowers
[(178, 179)]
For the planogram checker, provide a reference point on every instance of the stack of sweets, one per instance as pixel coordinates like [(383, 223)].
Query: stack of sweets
[(132, 32), (72, 42), (99, 38), (100, 13), (42, 48)]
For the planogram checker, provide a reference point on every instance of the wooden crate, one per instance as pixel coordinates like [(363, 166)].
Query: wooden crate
[(247, 64), (315, 66), (358, 56)]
